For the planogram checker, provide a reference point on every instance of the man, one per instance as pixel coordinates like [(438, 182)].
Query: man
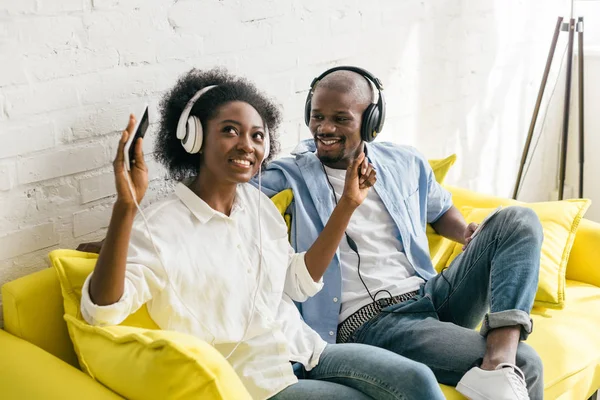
[(381, 288)]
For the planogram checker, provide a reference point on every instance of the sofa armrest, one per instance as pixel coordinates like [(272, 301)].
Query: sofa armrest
[(28, 372), (584, 261)]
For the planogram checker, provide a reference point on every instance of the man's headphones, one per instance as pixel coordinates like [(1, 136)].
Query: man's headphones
[(373, 117), (190, 132)]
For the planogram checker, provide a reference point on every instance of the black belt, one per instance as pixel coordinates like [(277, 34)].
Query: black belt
[(356, 320)]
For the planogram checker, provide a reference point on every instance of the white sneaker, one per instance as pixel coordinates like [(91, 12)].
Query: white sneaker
[(506, 382)]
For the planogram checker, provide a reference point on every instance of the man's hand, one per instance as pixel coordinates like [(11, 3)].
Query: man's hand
[(468, 233), (360, 177)]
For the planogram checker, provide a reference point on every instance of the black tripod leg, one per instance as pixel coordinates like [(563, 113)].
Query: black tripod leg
[(565, 129), (581, 136), (536, 109)]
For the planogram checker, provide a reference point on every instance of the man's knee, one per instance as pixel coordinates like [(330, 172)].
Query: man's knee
[(420, 375), (524, 221)]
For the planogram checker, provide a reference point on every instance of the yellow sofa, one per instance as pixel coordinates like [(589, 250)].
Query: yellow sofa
[(38, 361)]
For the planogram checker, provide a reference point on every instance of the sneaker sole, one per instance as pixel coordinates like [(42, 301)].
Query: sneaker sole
[(470, 393)]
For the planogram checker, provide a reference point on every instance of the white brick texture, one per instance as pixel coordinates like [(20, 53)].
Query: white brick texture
[(92, 220), (6, 176), (18, 139), (60, 163), (460, 76), (97, 187), (27, 240)]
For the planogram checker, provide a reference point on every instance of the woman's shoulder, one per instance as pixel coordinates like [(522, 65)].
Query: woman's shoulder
[(250, 196), (160, 211)]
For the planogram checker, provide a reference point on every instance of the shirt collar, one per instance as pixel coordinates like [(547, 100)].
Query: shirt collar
[(200, 208), (305, 146), (309, 146)]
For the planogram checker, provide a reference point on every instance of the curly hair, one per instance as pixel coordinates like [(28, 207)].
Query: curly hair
[(168, 149)]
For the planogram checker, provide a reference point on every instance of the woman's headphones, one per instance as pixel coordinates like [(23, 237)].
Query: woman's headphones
[(373, 117), (190, 132)]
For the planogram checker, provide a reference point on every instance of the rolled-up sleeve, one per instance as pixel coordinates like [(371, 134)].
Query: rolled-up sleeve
[(112, 314), (439, 200), (144, 277), (299, 285)]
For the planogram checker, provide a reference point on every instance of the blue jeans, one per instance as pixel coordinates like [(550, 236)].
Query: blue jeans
[(356, 371), (498, 272)]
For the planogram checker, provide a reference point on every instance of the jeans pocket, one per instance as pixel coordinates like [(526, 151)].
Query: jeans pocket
[(361, 331), (418, 307)]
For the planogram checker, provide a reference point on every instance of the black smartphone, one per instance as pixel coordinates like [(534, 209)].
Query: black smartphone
[(140, 131)]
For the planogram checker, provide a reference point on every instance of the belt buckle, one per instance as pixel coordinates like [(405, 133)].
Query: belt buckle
[(383, 303)]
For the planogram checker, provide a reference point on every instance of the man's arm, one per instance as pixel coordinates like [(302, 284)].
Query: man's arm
[(272, 181), (452, 225), (443, 216)]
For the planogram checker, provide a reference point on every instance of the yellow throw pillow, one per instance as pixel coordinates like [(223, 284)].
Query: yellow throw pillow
[(560, 220), (282, 201), (146, 364), (440, 248), (441, 167), (136, 359)]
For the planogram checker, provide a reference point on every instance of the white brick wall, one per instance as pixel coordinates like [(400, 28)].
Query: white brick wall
[(460, 76)]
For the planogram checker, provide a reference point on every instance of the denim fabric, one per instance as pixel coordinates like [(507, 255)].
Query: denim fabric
[(497, 272), (355, 371), (407, 187)]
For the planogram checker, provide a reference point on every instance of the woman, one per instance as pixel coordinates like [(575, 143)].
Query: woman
[(213, 259)]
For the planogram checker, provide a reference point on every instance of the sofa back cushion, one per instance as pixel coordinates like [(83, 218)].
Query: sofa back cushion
[(33, 311)]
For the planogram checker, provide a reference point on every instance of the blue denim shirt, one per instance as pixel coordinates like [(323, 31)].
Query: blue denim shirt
[(407, 187)]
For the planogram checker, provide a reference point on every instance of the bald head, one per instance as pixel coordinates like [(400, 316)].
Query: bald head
[(336, 111), (348, 82)]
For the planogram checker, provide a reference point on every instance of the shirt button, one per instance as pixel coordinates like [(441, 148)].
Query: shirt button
[(331, 333), (335, 299)]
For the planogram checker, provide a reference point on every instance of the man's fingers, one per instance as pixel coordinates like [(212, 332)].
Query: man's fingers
[(365, 165), (353, 168), (372, 178), (370, 182), (467, 241), (367, 174), (359, 159)]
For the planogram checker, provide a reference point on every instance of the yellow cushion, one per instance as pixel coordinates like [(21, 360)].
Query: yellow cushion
[(135, 359), (567, 341), (28, 372), (570, 355), (282, 201), (560, 220), (33, 310), (441, 167), (154, 364), (440, 248), (584, 262)]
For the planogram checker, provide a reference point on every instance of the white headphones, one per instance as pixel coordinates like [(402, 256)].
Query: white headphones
[(189, 128)]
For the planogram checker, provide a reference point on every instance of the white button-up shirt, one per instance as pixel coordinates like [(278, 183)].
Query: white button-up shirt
[(206, 278)]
